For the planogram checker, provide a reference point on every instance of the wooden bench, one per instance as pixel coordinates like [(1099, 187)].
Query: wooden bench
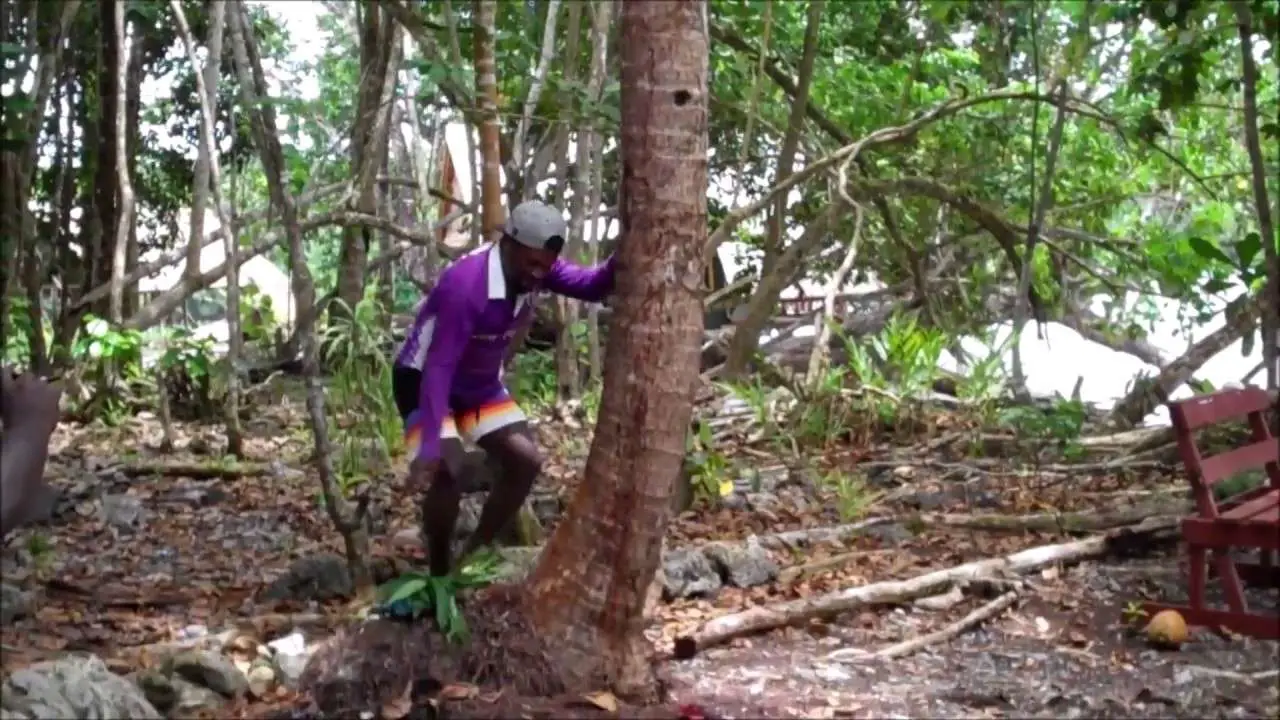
[(1246, 521)]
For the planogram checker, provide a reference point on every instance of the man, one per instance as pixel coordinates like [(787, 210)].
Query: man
[(29, 411), (447, 378)]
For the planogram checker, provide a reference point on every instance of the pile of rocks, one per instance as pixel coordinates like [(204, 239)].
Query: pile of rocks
[(211, 672)]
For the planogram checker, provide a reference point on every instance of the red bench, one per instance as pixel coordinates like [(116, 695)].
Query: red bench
[(1247, 521)]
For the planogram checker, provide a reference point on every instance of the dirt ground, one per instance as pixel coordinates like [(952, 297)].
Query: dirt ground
[(201, 552), (1066, 652)]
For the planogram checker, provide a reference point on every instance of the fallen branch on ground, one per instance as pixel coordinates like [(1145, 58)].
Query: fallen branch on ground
[(769, 617), (792, 539), (1061, 522), (211, 471), (955, 629)]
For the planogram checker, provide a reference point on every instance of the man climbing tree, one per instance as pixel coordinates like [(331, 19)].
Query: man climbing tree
[(447, 379)]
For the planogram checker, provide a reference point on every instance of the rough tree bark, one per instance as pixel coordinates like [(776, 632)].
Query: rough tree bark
[(491, 215), (349, 522), (106, 182), (124, 216), (589, 587)]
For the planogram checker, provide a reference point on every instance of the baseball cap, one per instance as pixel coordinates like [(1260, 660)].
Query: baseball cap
[(536, 225)]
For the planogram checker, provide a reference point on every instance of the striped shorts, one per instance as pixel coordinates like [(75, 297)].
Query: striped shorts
[(472, 423)]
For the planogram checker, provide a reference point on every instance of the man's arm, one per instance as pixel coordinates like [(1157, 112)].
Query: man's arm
[(454, 317), (591, 284)]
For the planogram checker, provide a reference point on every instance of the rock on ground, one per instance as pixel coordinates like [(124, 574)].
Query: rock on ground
[(77, 686)]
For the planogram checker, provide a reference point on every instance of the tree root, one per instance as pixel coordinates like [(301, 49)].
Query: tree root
[(769, 617)]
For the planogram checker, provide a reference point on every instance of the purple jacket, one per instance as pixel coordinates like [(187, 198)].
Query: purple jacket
[(460, 335)]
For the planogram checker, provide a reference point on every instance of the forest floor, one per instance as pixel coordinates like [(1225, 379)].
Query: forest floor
[(134, 559)]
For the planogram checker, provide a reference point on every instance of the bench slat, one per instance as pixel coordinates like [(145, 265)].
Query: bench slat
[(1197, 412), (1224, 465), (1255, 510)]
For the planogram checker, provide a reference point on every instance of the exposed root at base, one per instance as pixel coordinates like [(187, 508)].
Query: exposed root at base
[(373, 664), (504, 651)]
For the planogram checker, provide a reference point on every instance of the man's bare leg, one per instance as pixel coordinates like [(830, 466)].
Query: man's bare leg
[(439, 507), (514, 448)]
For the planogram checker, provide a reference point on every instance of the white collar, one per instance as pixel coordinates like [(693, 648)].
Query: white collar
[(497, 278)]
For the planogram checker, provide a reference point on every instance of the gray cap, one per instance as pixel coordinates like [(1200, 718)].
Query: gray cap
[(537, 225)]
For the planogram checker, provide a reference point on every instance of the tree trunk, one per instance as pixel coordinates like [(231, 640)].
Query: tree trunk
[(379, 64), (133, 141), (106, 180), (486, 12), (743, 345), (589, 587), (124, 215), (208, 150), (600, 23), (474, 161), (568, 383), (820, 359), (211, 71), (1147, 394), (1262, 204)]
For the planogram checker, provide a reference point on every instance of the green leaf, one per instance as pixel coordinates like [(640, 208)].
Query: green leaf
[(1248, 248), (403, 588), (1209, 251)]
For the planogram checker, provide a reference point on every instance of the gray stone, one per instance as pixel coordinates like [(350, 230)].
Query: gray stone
[(159, 689), (742, 565), (75, 686), (317, 577), (211, 670), (193, 698), (687, 572), (122, 511), (15, 603)]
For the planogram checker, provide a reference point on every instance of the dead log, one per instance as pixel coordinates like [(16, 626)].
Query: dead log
[(1062, 522), (770, 617)]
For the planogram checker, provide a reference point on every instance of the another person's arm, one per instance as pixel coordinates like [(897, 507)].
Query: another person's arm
[(591, 284), (454, 316), (22, 460), (29, 407)]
